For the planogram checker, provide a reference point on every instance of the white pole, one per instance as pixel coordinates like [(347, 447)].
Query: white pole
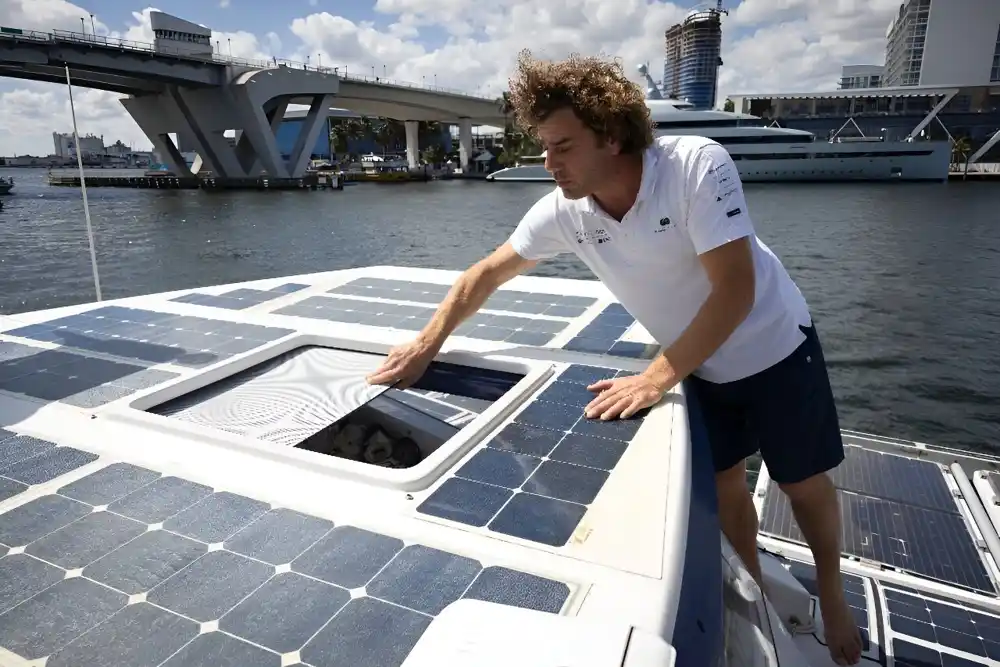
[(83, 188)]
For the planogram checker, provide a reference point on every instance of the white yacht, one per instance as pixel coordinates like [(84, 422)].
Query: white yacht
[(204, 478), (764, 152)]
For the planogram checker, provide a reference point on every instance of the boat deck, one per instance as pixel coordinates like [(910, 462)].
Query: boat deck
[(919, 546), (166, 497)]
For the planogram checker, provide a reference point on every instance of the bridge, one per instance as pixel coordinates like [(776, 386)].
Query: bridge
[(181, 85)]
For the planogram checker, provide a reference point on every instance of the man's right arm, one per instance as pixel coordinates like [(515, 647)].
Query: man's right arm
[(471, 291)]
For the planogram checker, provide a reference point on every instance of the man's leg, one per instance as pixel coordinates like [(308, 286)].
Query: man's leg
[(718, 415), (795, 417)]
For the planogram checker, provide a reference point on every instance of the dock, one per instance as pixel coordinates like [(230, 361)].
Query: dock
[(169, 182), (979, 171)]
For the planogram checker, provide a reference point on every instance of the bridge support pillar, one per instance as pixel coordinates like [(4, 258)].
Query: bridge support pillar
[(203, 116), (464, 143), (412, 143)]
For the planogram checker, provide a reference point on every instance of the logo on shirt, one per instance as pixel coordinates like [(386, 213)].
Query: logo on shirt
[(593, 237), (733, 213), (665, 224)]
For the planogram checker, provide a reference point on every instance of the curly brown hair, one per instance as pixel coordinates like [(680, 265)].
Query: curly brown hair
[(597, 91)]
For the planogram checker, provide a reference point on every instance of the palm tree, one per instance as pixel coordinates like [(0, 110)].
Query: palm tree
[(960, 152), (516, 143), (344, 130), (729, 106), (388, 133)]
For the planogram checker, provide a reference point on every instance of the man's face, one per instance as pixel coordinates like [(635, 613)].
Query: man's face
[(575, 157)]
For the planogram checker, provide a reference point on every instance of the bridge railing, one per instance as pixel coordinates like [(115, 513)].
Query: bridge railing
[(57, 36)]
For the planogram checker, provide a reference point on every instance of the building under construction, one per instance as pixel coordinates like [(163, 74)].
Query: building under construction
[(692, 58)]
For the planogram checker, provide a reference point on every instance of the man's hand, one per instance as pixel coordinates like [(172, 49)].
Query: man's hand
[(405, 364), (625, 396)]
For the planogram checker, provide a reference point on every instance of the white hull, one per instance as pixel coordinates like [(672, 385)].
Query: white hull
[(818, 162)]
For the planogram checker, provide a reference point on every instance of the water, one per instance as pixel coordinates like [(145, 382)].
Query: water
[(903, 280)]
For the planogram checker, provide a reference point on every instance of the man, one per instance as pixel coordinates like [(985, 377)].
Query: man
[(664, 225)]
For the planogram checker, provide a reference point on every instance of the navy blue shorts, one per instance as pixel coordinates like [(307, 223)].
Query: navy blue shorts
[(786, 412)]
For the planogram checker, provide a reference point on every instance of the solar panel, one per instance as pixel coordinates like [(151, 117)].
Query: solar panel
[(921, 541), (854, 593), (240, 298), (26, 461), (536, 477), (959, 632), (484, 326), (881, 475), (604, 336), (152, 336), (508, 300), (125, 566), (75, 379)]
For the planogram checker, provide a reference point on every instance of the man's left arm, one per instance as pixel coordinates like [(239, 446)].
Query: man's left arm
[(721, 231)]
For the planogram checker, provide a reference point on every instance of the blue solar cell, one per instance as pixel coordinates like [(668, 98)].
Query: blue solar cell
[(463, 501), (139, 634), (83, 542), (948, 624), (921, 541), (554, 416), (348, 556), (586, 375), (9, 488), (586, 450), (492, 466), (48, 465), (288, 288), (211, 585), (21, 447), (566, 481), (47, 622), (216, 517), (22, 577), (568, 393), (216, 649), (366, 633), (525, 440), (37, 518), (518, 589), (279, 536), (854, 593), (160, 500), (539, 519), (285, 612), (144, 562), (424, 579), (109, 484)]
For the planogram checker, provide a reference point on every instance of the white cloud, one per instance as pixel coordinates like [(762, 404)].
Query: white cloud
[(768, 45)]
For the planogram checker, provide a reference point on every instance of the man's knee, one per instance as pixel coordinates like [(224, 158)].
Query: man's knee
[(813, 489)]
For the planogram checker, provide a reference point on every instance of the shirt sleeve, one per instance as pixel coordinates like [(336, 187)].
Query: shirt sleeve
[(717, 210), (539, 235)]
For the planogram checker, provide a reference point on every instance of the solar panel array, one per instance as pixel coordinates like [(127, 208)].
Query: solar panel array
[(536, 477), (604, 336), (26, 461), (854, 593), (928, 631), (130, 567), (895, 511), (484, 326), (71, 378), (240, 298), (151, 336)]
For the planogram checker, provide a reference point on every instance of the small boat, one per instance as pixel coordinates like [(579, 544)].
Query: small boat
[(6, 185)]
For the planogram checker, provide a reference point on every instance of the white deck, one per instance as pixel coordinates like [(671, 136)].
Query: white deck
[(616, 562)]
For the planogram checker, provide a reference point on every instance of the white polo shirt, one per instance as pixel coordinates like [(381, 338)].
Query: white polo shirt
[(690, 201)]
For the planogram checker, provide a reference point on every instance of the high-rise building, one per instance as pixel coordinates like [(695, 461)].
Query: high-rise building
[(943, 43), (692, 56), (860, 76)]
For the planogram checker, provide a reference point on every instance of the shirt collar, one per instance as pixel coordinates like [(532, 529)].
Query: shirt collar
[(647, 184)]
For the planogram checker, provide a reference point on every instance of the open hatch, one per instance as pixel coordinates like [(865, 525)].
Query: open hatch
[(316, 398)]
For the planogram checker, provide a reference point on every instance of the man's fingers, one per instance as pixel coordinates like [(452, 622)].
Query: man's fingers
[(601, 385), (616, 409)]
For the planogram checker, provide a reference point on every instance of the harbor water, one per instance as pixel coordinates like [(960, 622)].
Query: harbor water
[(903, 279)]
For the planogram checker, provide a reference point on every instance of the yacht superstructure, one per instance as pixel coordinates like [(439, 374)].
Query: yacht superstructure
[(765, 152)]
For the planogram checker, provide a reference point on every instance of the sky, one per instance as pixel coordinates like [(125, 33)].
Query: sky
[(768, 45)]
